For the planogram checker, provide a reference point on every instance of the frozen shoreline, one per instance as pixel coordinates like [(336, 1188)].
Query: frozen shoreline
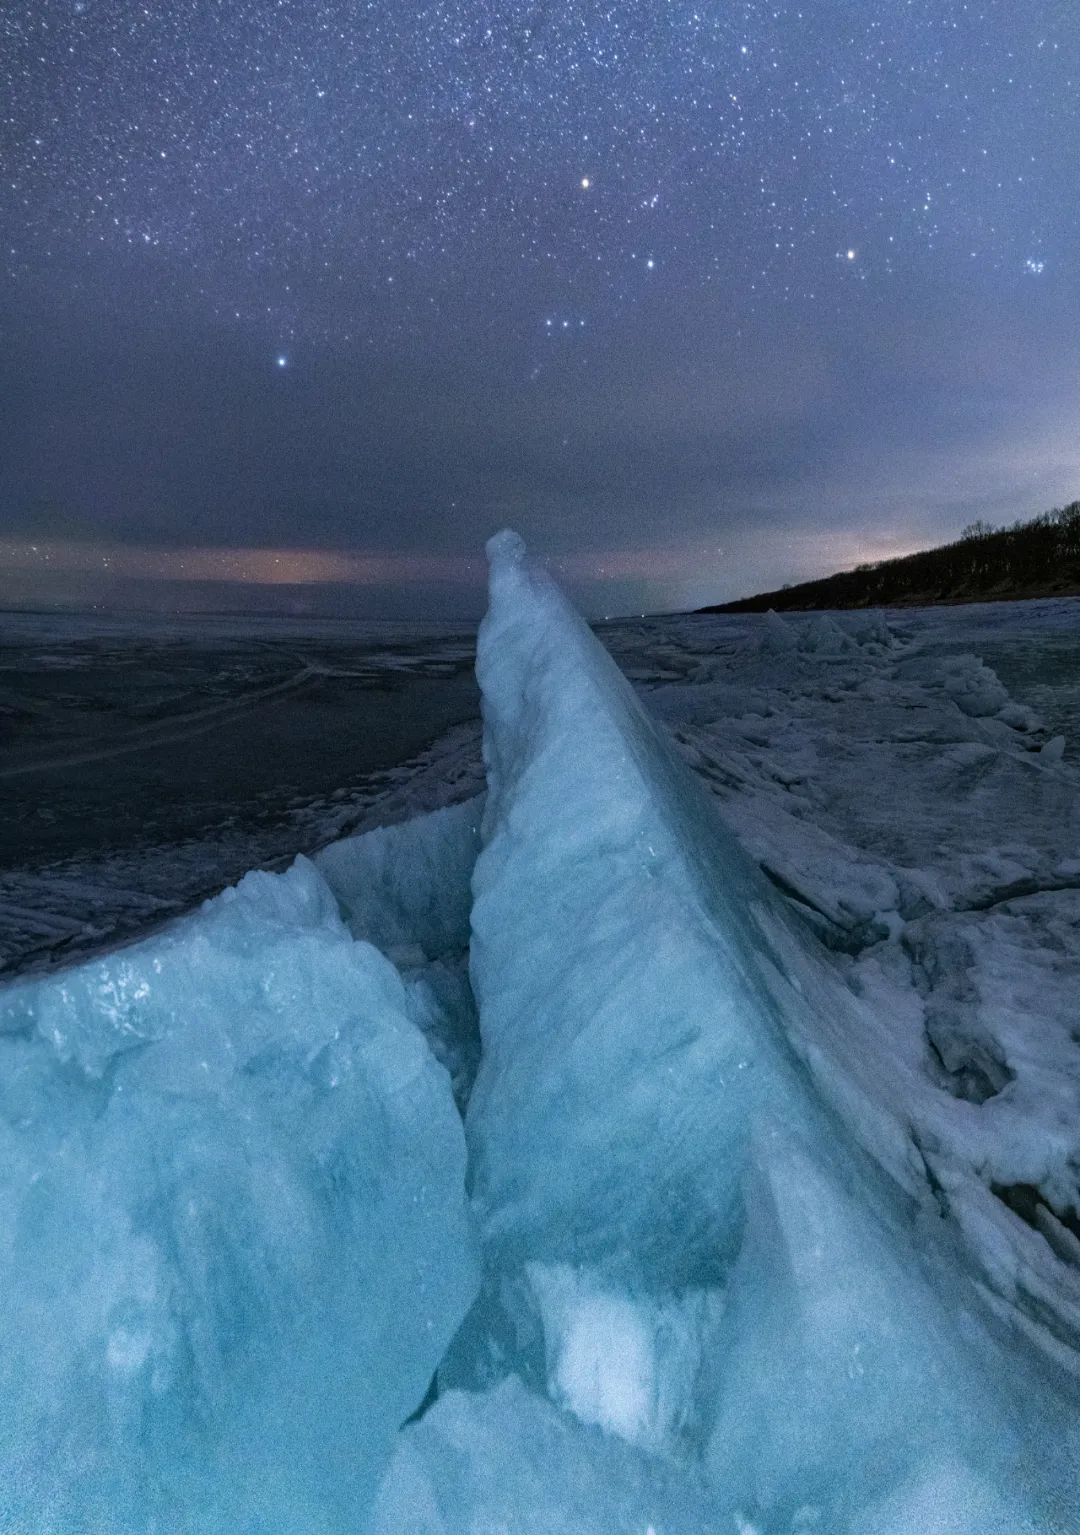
[(769, 1219)]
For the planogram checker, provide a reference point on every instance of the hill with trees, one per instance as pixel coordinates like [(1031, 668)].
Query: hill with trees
[(1039, 558)]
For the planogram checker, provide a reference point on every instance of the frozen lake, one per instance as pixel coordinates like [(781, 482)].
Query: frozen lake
[(743, 1203), (146, 763)]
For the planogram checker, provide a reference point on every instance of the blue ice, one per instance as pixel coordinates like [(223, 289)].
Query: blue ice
[(681, 1269), (233, 1234), (704, 1237)]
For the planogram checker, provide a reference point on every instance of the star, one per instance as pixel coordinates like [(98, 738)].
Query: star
[(406, 196)]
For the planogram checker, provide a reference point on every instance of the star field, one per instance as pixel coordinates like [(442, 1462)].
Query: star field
[(517, 191)]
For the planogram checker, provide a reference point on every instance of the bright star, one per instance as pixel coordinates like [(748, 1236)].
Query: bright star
[(851, 255), (282, 362), (585, 182)]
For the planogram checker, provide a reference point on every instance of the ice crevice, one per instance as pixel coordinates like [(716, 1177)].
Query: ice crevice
[(551, 1096)]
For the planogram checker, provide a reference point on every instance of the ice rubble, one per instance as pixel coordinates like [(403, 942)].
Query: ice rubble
[(934, 849), (234, 1236), (743, 1269)]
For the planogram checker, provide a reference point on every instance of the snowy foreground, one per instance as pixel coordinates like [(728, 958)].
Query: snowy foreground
[(712, 1202)]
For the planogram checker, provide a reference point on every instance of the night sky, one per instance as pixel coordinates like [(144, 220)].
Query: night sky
[(302, 300)]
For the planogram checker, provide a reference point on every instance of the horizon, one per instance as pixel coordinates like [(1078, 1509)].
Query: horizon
[(168, 573), (343, 584)]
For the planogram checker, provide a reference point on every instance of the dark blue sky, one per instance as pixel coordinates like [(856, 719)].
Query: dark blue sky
[(701, 298)]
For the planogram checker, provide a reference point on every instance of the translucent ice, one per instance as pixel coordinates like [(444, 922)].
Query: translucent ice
[(687, 1245), (406, 889), (506, 1460), (234, 1241), (408, 886), (596, 965)]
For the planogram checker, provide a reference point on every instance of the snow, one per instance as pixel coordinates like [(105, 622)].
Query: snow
[(754, 985)]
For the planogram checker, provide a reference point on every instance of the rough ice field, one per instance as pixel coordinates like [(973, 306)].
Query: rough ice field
[(765, 1044)]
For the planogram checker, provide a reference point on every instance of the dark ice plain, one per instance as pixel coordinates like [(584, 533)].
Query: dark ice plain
[(145, 764)]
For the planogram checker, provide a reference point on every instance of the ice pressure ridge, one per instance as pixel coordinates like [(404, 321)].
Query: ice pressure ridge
[(545, 1096)]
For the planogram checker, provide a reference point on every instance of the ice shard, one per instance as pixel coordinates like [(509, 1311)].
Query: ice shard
[(233, 1235), (704, 1233), (406, 889)]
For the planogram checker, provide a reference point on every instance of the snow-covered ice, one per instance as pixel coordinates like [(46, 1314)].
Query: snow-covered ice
[(754, 984)]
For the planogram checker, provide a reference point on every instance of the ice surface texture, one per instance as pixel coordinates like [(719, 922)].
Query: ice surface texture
[(233, 1241)]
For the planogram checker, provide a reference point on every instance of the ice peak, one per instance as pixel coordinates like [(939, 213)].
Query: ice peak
[(505, 548)]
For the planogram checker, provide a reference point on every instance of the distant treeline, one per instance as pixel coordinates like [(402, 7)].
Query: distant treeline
[(1040, 558)]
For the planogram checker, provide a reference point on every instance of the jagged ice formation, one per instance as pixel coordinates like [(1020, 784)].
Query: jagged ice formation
[(717, 1259)]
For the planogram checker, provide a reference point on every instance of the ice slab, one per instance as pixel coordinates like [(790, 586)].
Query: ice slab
[(705, 1231), (602, 884), (234, 1237), (408, 886), (407, 889), (507, 1460)]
